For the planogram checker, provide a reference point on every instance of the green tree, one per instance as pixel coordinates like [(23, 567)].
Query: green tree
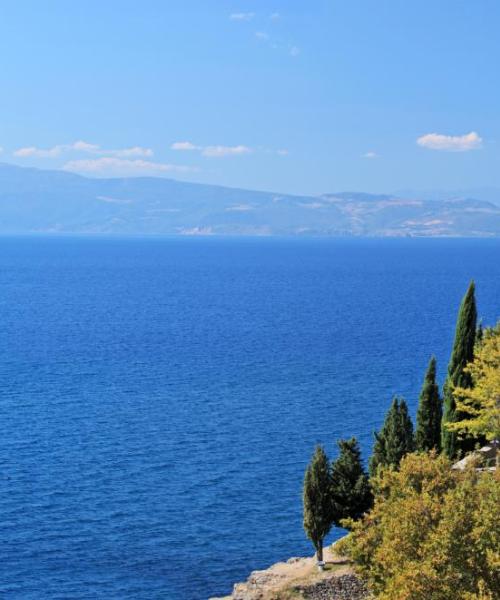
[(462, 354), (481, 403), (317, 500), (395, 439), (350, 488), (430, 413)]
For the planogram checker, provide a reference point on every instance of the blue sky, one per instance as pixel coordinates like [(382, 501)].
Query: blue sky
[(292, 96)]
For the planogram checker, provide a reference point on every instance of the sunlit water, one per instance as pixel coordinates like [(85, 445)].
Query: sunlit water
[(161, 398)]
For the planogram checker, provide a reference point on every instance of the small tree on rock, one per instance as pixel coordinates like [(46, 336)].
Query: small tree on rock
[(317, 500)]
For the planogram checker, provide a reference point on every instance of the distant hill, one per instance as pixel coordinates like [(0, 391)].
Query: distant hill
[(489, 194), (35, 201)]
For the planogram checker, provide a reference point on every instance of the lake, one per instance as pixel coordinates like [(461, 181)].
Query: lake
[(160, 398)]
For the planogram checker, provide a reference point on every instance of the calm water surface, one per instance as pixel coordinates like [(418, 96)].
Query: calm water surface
[(161, 398)]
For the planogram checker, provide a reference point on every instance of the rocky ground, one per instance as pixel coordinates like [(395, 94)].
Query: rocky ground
[(299, 578), (335, 587)]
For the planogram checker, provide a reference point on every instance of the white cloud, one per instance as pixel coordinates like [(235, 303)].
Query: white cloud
[(184, 146), (261, 35), (39, 152), (212, 151), (84, 146), (294, 51), (119, 166), (81, 146), (369, 155), (451, 143), (283, 152), (125, 152), (220, 151), (242, 16), (275, 16)]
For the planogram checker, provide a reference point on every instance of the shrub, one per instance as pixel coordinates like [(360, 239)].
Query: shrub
[(433, 533)]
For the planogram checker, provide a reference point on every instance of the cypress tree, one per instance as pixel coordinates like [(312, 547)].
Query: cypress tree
[(317, 500), (462, 353), (350, 489), (430, 413), (395, 439)]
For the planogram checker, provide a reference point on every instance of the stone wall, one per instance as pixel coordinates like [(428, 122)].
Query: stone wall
[(342, 587)]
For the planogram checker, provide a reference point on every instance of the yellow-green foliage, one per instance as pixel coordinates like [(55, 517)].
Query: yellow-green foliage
[(433, 534), (481, 403)]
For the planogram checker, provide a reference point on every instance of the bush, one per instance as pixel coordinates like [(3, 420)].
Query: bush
[(433, 533)]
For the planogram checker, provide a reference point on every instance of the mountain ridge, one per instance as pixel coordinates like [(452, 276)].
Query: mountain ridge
[(51, 201)]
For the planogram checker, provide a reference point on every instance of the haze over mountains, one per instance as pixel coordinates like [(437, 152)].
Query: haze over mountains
[(40, 201)]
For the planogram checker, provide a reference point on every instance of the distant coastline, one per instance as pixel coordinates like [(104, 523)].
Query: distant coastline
[(34, 201)]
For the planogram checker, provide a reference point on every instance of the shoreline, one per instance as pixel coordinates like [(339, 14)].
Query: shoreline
[(299, 577)]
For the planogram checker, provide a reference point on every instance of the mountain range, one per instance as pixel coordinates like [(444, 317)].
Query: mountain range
[(43, 201)]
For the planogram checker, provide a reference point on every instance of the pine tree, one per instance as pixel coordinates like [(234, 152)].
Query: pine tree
[(462, 353), (430, 413), (395, 439), (350, 487), (317, 500)]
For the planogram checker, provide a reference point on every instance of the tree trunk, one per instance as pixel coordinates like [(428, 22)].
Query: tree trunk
[(319, 551)]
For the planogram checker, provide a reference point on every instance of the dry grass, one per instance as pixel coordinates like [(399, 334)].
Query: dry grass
[(304, 572)]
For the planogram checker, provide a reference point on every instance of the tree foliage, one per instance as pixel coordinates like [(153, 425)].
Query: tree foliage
[(462, 354), (480, 404), (433, 533), (350, 487), (430, 413), (395, 439), (317, 500)]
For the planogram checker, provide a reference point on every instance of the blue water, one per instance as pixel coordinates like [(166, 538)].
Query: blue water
[(161, 398)]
